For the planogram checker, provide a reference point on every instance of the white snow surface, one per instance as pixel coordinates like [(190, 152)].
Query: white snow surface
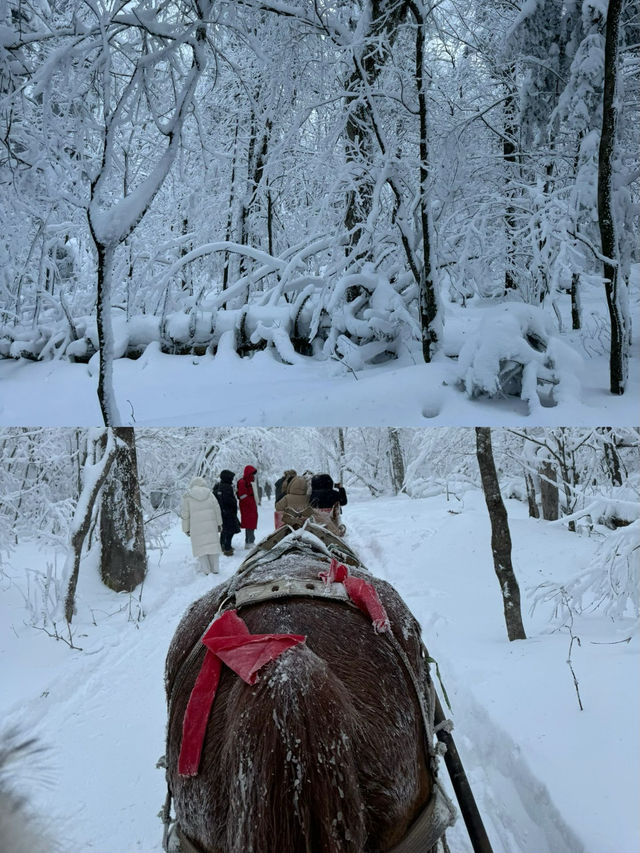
[(161, 389), (548, 777)]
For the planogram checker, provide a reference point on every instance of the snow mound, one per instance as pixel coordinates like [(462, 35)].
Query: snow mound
[(514, 352)]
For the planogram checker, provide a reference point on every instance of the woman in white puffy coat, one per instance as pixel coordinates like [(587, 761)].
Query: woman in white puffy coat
[(202, 521)]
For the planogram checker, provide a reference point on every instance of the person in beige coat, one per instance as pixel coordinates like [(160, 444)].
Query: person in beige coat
[(202, 521), (296, 496)]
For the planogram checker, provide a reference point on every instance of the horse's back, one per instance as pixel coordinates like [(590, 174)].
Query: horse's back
[(323, 753)]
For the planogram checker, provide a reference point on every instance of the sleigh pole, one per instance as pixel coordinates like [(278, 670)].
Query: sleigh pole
[(468, 807)]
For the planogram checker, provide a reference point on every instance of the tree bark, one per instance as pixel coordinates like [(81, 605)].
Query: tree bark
[(509, 156), (534, 512), (428, 299), (123, 558), (611, 457), (576, 321), (500, 535), (106, 395), (397, 462), (614, 283), (549, 491), (82, 521)]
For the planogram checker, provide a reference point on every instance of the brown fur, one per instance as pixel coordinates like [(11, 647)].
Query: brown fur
[(325, 753)]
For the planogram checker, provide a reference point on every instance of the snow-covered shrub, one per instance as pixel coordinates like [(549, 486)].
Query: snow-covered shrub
[(372, 327), (611, 581), (515, 352)]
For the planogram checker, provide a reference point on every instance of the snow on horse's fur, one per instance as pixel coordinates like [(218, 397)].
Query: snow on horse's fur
[(325, 752)]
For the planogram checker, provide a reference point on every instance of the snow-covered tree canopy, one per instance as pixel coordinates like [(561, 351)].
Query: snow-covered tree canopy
[(312, 177)]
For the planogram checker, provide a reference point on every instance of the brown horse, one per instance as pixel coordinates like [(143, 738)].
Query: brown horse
[(331, 750)]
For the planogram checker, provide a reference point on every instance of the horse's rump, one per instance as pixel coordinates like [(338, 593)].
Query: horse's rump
[(325, 752)]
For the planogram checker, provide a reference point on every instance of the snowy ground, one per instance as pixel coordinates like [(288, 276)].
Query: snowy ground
[(176, 390), (549, 778)]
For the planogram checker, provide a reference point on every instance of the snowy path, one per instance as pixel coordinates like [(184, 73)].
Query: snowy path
[(535, 762)]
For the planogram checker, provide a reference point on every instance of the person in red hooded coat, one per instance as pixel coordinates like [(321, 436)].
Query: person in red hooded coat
[(248, 503)]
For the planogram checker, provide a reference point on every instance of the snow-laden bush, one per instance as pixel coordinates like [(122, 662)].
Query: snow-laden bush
[(372, 327), (515, 352), (610, 582)]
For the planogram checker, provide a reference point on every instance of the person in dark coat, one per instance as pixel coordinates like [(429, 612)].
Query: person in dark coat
[(223, 490), (324, 495), (248, 500), (267, 490), (282, 484)]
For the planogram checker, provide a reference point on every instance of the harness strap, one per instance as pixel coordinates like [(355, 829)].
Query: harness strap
[(431, 824), (289, 588)]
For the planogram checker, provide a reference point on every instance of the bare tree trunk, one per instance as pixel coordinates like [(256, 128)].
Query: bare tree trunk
[(549, 491), (428, 299), (614, 282), (534, 512), (106, 395), (576, 322), (396, 459), (611, 457), (123, 558), (341, 453), (229, 225), (500, 535), (82, 520), (509, 156)]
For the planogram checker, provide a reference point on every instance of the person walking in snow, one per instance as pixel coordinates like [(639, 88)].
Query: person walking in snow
[(202, 522), (296, 498), (324, 494), (224, 492), (267, 490), (248, 500), (326, 499), (283, 482)]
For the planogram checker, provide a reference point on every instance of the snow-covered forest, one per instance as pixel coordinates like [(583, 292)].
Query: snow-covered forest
[(447, 189), (546, 726)]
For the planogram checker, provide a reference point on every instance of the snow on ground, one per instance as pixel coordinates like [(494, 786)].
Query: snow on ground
[(548, 777), (159, 389)]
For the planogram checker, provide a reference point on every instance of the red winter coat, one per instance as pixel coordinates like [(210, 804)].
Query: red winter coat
[(247, 499)]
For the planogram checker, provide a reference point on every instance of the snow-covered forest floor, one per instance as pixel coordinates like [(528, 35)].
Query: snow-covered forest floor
[(161, 389), (549, 778)]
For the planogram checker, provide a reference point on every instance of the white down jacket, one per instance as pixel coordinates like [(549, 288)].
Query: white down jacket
[(201, 518)]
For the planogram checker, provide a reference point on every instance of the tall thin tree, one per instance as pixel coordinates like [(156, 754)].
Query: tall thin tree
[(500, 535), (614, 283)]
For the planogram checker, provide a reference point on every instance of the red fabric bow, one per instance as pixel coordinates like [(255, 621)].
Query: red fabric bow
[(228, 641), (362, 594)]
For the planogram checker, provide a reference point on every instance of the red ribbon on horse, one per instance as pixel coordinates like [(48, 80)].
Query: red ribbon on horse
[(228, 641)]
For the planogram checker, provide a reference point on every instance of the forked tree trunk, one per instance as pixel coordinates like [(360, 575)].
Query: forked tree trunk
[(123, 557), (94, 478), (500, 535)]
